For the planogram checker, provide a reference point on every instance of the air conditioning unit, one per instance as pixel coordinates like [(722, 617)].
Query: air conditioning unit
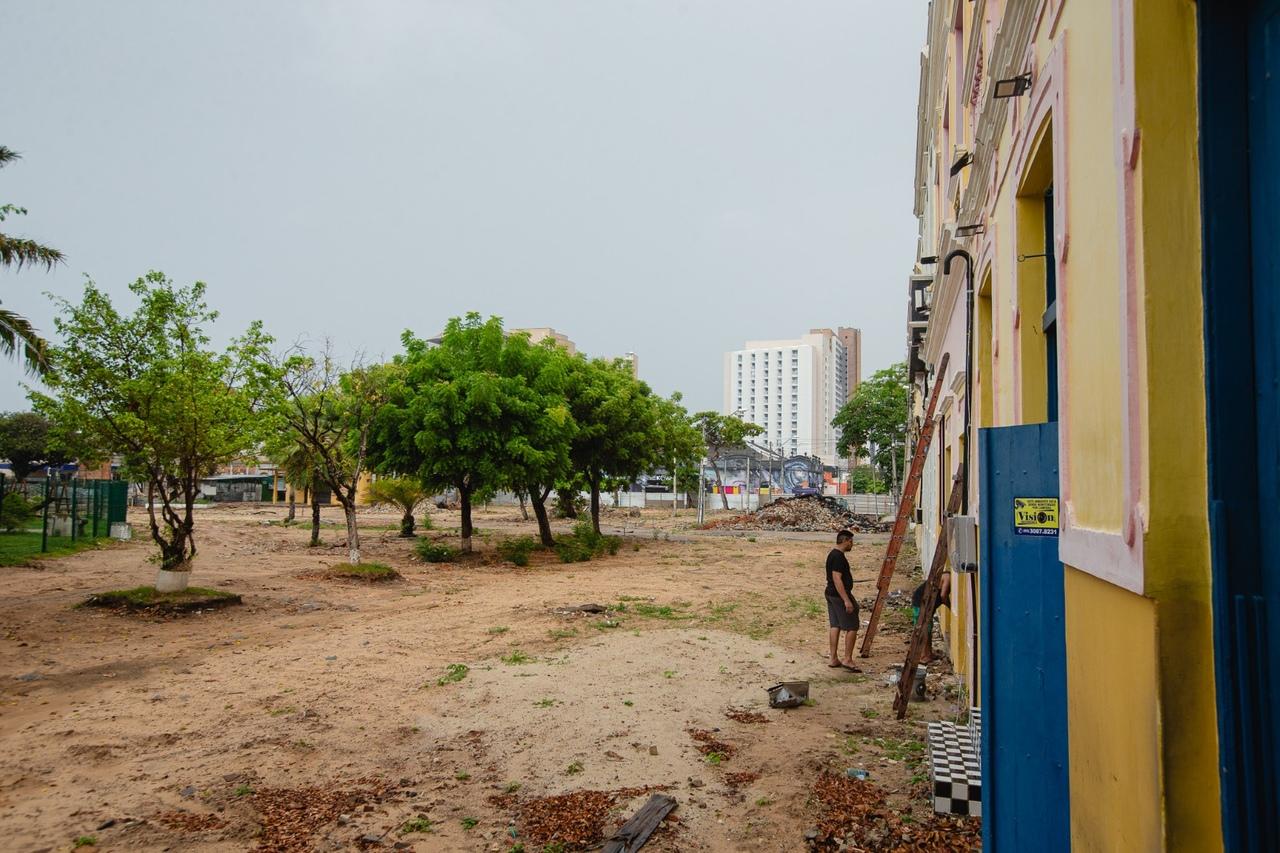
[(962, 543)]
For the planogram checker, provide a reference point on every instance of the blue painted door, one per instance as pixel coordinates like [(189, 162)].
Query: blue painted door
[(1024, 678), (1239, 43)]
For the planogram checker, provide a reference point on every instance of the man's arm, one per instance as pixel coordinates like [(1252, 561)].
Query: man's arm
[(844, 596)]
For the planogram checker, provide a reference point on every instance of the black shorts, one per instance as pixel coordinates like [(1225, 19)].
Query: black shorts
[(838, 617)]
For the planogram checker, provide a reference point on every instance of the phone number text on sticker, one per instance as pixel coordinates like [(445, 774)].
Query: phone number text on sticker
[(1035, 516)]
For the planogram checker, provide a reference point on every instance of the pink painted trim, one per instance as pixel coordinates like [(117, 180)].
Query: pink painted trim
[(1103, 555), (1118, 557)]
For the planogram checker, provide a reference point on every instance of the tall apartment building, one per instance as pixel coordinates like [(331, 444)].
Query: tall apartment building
[(852, 340), (793, 388)]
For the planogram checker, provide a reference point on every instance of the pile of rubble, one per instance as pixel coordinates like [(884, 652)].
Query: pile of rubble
[(804, 513)]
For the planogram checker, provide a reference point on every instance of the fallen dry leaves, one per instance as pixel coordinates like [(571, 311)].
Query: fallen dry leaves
[(740, 715), (576, 819), (854, 813), (707, 743), (290, 816)]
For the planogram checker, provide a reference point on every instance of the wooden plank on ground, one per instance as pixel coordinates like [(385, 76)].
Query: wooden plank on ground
[(633, 834)]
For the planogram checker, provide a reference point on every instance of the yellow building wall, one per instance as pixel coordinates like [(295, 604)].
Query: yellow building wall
[(1112, 717), (1143, 737), (1176, 559)]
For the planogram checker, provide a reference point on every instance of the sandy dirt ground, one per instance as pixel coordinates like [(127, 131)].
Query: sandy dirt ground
[(328, 699)]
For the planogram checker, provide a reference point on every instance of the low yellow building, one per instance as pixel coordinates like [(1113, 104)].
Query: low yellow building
[(1109, 170)]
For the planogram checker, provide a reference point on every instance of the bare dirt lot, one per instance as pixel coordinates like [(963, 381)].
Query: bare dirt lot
[(324, 714)]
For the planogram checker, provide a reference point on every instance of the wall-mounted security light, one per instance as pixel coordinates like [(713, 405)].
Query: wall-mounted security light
[(1012, 87), (970, 230)]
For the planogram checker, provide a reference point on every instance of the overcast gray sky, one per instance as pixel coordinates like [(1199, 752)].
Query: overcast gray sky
[(665, 177)]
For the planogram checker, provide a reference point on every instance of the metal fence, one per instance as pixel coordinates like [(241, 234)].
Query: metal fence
[(68, 509)]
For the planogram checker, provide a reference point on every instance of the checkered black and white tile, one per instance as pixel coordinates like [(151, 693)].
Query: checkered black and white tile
[(956, 770)]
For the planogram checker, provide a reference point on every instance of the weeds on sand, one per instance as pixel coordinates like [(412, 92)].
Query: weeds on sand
[(454, 673)]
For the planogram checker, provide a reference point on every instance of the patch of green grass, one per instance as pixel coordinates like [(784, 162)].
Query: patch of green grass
[(628, 703), (763, 801), (511, 788), (545, 703), (554, 847), (851, 745), (242, 791), (575, 767), (280, 712), (469, 823), (499, 629), (669, 673), (418, 824), (751, 538), (85, 841), (434, 552), (462, 775), (809, 702), (364, 572), (720, 611), (870, 713), (605, 624), (899, 749), (516, 658), (146, 598), (808, 608), (20, 547), (654, 611), (455, 672), (899, 618), (714, 757), (517, 550), (562, 633)]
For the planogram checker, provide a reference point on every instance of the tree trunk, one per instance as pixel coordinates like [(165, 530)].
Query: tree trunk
[(540, 512), (315, 520), (407, 524), (715, 466), (464, 496), (293, 506), (567, 498), (595, 503), (353, 532), (524, 508)]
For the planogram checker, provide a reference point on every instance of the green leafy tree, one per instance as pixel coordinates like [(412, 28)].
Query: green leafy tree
[(26, 442), (149, 386), (464, 415), (678, 446), (872, 425), (329, 413), (721, 433), (617, 419), (403, 493), (16, 332), (546, 369)]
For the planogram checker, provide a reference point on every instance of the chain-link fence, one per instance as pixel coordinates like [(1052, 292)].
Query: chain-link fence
[(54, 513)]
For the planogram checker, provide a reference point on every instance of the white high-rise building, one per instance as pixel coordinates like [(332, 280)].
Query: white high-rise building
[(791, 389)]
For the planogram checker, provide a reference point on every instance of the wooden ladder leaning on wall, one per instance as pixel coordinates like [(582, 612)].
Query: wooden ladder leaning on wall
[(906, 506), (920, 639)]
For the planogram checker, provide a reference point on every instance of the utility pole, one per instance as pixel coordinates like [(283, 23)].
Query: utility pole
[(674, 492), (702, 482), (746, 495)]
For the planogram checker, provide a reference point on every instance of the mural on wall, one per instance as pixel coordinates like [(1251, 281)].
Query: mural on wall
[(774, 474)]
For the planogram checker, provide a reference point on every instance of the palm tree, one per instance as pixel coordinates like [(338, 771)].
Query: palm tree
[(16, 331)]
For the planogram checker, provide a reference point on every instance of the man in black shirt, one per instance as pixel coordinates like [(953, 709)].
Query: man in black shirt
[(842, 607)]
